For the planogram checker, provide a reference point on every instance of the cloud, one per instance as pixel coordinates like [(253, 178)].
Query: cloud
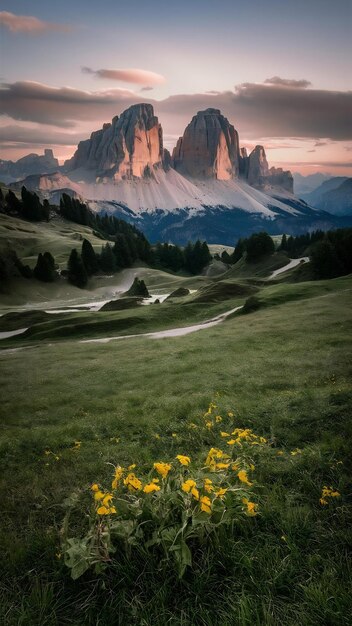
[(319, 144), (311, 150), (25, 135), (288, 82), (64, 106), (136, 76), (29, 24), (348, 148), (147, 89), (256, 110)]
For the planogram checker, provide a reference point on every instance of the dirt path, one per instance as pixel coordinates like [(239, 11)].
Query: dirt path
[(171, 332), (292, 263)]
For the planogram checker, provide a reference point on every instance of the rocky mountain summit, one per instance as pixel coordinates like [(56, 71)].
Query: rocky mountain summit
[(208, 148), (128, 147), (30, 164), (131, 147)]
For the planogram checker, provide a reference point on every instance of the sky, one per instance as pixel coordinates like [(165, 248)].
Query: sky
[(281, 72)]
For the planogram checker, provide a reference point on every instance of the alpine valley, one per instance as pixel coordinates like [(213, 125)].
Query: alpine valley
[(208, 188)]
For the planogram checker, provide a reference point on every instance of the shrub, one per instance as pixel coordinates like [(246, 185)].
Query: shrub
[(252, 304)]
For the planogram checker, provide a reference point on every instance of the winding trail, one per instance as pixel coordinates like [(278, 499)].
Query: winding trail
[(292, 263), (171, 332)]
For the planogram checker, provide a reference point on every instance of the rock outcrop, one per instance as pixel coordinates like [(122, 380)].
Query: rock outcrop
[(208, 148), (255, 170), (128, 147)]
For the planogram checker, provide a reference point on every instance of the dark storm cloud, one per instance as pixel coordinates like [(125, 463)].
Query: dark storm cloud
[(256, 110)]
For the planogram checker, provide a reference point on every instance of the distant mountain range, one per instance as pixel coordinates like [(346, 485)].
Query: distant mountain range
[(333, 195), (208, 187)]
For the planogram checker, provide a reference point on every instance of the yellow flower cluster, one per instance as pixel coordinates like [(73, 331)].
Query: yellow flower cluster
[(132, 483), (251, 507), (241, 435), (184, 460), (103, 501), (328, 492), (213, 460), (162, 468)]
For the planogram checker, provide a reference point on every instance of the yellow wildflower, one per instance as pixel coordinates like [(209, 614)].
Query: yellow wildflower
[(242, 475), (162, 468), (323, 501), (99, 495), (205, 504), (232, 442), (117, 476), (131, 467), (157, 436), (280, 453), (174, 435), (220, 492), (104, 510), (230, 414), (251, 507), (234, 467), (209, 425), (192, 425), (252, 467), (218, 419), (223, 434), (107, 498), (188, 485), (184, 460), (151, 487), (95, 487), (132, 482), (195, 493), (214, 453), (208, 485), (295, 452), (221, 466)]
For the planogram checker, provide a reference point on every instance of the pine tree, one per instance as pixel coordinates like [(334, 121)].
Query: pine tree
[(283, 244), (89, 258), (45, 268), (107, 259), (77, 274)]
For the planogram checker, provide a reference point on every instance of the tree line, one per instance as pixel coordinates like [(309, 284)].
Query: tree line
[(29, 207)]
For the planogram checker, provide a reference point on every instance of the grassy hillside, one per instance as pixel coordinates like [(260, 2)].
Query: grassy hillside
[(284, 371), (57, 236)]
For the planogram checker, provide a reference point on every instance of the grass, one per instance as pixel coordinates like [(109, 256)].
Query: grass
[(285, 370)]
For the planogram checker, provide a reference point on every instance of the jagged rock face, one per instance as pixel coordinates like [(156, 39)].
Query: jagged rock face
[(256, 170), (130, 146), (208, 148)]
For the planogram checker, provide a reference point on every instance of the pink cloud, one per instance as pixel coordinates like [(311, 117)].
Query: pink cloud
[(29, 24), (132, 75)]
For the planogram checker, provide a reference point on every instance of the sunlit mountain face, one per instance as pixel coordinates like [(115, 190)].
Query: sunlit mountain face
[(271, 71)]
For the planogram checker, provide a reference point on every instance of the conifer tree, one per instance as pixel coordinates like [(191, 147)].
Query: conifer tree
[(89, 258), (77, 274)]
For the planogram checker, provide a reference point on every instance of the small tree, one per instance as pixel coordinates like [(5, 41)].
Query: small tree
[(107, 259), (89, 257), (259, 245), (45, 268), (76, 271)]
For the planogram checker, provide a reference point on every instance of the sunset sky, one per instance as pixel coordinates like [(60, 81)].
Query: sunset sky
[(280, 71)]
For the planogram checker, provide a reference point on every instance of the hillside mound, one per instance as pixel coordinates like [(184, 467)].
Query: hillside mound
[(223, 290)]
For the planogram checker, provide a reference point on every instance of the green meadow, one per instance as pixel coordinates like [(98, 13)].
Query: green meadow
[(283, 370)]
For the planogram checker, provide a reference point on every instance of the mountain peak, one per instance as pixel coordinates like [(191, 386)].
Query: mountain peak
[(128, 147), (208, 147)]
